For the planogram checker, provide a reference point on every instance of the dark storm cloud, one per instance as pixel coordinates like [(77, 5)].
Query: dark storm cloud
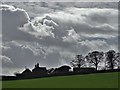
[(12, 19)]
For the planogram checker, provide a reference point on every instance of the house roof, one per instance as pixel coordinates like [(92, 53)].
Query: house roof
[(39, 68), (65, 66), (27, 71)]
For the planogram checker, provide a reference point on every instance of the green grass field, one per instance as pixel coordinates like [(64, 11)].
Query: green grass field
[(103, 80)]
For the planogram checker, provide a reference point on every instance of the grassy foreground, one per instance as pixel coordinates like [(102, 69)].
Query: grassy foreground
[(103, 80)]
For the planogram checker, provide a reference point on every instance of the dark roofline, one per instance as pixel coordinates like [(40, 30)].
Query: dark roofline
[(27, 70), (65, 66)]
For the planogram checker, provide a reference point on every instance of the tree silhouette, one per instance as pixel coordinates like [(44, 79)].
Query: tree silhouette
[(112, 59), (78, 61), (95, 58), (118, 60)]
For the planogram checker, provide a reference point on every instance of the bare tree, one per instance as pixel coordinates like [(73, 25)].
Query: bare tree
[(118, 60), (95, 58), (78, 61), (112, 59)]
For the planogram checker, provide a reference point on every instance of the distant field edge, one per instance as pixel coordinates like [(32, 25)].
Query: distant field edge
[(60, 89)]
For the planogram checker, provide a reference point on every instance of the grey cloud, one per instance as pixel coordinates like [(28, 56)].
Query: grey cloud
[(64, 23), (37, 9), (81, 27), (6, 59), (11, 21), (19, 57)]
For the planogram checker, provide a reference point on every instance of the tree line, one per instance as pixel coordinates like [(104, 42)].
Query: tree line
[(109, 60)]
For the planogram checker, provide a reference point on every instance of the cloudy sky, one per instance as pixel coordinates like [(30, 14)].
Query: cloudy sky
[(53, 33)]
